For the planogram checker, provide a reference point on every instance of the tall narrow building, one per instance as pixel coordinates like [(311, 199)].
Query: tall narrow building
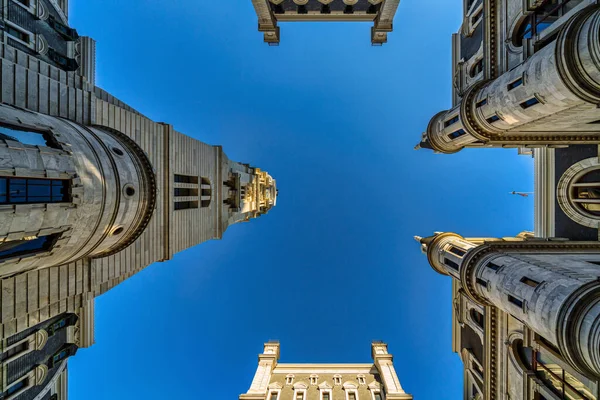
[(380, 12), (91, 192), (278, 381)]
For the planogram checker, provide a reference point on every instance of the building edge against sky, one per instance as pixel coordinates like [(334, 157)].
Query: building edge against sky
[(525, 312), (271, 12), (91, 193), (278, 381)]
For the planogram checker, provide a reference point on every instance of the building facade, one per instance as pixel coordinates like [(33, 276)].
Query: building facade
[(278, 381), (271, 12), (91, 193), (526, 75)]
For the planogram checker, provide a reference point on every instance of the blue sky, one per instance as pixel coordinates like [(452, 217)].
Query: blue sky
[(334, 265)]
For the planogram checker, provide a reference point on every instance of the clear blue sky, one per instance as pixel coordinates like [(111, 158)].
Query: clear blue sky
[(334, 265)]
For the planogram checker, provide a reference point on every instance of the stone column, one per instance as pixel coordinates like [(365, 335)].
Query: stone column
[(552, 286)]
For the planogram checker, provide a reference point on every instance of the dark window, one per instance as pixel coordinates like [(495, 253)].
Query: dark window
[(16, 248), (377, 396), (451, 264), (493, 119), (24, 2), (595, 122), (515, 301), (477, 17), (61, 355), (348, 10), (55, 327), (493, 266), (457, 134), (30, 190), (54, 397), (206, 192), (14, 351), (529, 282), (451, 122), (476, 69), (17, 386), (302, 9), (457, 251), (68, 33), (274, 396), (17, 33), (325, 9), (65, 63), (482, 282), (186, 179), (352, 396), (184, 205), (515, 84), (529, 103), (477, 317), (186, 192), (476, 368), (482, 103)]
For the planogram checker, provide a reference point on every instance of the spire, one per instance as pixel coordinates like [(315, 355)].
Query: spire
[(425, 241)]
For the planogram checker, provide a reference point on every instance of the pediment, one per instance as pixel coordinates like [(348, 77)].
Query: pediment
[(374, 385), (325, 385), (275, 385), (350, 385), (300, 385)]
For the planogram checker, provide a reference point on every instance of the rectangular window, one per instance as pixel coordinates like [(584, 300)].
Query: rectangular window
[(477, 17), (352, 396), (482, 282), (31, 191), (17, 33), (17, 386), (16, 248), (14, 351), (185, 192), (326, 396), (493, 119), (529, 103), (274, 396), (457, 251), (515, 84), (529, 282), (300, 396), (515, 301), (482, 103), (451, 264), (451, 122), (377, 396), (595, 122), (184, 205), (493, 266), (186, 179), (24, 2), (457, 134), (27, 136)]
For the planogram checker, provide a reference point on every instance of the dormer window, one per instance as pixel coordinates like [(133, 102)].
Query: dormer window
[(361, 379), (337, 379), (289, 379), (314, 379)]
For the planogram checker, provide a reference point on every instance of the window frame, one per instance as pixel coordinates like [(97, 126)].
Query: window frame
[(30, 35), (325, 391), (47, 247), (276, 392), (30, 181)]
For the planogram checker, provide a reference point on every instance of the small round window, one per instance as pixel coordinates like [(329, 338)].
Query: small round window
[(578, 192)]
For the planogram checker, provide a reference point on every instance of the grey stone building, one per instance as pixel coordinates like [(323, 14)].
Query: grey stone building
[(271, 12), (372, 381), (526, 75), (91, 192)]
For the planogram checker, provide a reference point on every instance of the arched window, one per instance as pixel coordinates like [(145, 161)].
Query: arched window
[(547, 368), (476, 68)]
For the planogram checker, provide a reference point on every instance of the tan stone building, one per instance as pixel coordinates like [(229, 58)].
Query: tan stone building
[(278, 381), (526, 321), (91, 193), (380, 12)]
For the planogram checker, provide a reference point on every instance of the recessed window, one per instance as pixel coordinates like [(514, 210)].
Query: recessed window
[(326, 396), (66, 32), (457, 134), (337, 379), (33, 191), (477, 318), (481, 103), (493, 118), (451, 264), (26, 3), (325, 9), (477, 17), (18, 248), (64, 62), (352, 396), (515, 301), (476, 68), (185, 205), (27, 136), (493, 266), (457, 251), (186, 179), (377, 396), (289, 379), (314, 379), (205, 192), (349, 10), (515, 84), (13, 351), (361, 379), (58, 325), (595, 122), (529, 103), (482, 282), (451, 122), (18, 33), (186, 192), (529, 282), (22, 384), (300, 396), (302, 9), (274, 396)]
